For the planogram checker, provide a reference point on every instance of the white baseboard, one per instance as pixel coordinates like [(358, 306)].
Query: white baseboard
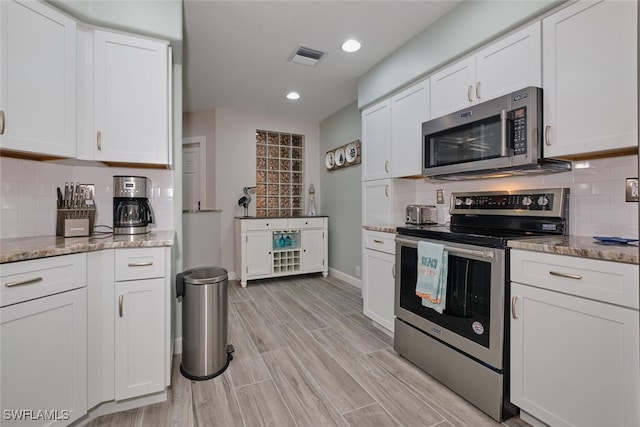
[(177, 345), (353, 281)]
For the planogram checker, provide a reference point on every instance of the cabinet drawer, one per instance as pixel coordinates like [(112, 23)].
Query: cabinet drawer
[(299, 223), (263, 224), (26, 280), (606, 281), (379, 241), (139, 263)]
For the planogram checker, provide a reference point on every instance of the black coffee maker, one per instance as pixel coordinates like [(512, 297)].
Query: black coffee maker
[(132, 212)]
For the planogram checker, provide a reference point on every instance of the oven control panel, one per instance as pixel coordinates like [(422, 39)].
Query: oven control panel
[(548, 202)]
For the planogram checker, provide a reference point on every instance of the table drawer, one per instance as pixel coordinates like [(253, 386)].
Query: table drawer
[(139, 263), (263, 224), (379, 241), (606, 281), (300, 223), (26, 280)]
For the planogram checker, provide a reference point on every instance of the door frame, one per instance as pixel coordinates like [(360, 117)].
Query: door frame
[(201, 142)]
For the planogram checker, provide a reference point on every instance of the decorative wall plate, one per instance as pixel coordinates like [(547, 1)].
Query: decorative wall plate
[(351, 152), (339, 156), (329, 160)]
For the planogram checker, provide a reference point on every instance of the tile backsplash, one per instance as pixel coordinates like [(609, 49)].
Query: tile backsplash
[(597, 203), (28, 194)]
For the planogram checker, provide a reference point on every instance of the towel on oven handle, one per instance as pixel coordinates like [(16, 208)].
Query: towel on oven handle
[(431, 285)]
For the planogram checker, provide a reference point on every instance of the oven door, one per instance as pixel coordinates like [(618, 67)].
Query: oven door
[(473, 319)]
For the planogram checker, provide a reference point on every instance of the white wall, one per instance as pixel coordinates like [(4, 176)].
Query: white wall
[(28, 194), (597, 203)]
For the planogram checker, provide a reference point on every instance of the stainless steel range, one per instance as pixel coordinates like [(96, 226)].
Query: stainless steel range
[(467, 346)]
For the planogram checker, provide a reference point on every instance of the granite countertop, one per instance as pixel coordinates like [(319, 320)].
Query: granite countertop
[(26, 248), (580, 246), (384, 228)]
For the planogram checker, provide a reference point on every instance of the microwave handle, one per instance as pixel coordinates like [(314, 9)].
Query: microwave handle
[(504, 133)]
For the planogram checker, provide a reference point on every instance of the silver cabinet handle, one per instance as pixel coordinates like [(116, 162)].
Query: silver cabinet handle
[(386, 166), (120, 304), (547, 139), (99, 140), (23, 282), (566, 275), (503, 133), (140, 264), (386, 190), (514, 302), (377, 241), (393, 271), (469, 93), (1, 122), (478, 90)]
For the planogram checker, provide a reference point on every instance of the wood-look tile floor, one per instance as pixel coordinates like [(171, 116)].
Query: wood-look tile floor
[(305, 355)]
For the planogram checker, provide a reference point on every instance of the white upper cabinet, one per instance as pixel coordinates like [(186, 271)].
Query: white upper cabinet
[(505, 66), (590, 78), (131, 99), (37, 79), (409, 109), (376, 141)]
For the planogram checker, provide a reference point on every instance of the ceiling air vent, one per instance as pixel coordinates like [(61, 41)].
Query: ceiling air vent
[(306, 56)]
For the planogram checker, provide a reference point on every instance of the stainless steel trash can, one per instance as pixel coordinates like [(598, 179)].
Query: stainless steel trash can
[(205, 353)]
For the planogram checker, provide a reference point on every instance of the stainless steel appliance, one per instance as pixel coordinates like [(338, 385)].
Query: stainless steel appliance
[(467, 346), (495, 138), (421, 214), (132, 212)]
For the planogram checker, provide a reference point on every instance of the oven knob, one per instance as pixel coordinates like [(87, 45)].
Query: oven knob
[(543, 201), (468, 201), (527, 201)]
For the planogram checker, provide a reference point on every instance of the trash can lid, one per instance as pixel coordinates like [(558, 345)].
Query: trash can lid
[(205, 275)]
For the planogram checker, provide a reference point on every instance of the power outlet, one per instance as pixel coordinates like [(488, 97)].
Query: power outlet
[(440, 197), (632, 190)]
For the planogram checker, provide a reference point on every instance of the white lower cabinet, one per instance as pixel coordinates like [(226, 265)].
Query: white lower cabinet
[(378, 277), (272, 247), (574, 340), (139, 337), (43, 356), (129, 324)]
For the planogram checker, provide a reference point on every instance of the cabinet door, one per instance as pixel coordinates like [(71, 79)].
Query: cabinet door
[(378, 287), (44, 357), (258, 248), (574, 361), (139, 337), (376, 141), (409, 109), (590, 78), (453, 88), (37, 79), (313, 244), (510, 64), (376, 202), (131, 89)]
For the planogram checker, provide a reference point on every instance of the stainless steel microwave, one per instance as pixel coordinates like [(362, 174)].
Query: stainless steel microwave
[(500, 137)]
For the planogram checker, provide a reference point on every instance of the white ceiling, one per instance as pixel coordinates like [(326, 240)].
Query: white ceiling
[(235, 52)]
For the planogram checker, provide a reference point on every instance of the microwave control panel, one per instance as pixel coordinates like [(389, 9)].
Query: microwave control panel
[(519, 130)]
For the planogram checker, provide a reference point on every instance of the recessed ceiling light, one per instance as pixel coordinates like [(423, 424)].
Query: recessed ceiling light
[(293, 95), (351, 45)]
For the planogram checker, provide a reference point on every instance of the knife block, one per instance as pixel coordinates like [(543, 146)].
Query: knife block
[(75, 222)]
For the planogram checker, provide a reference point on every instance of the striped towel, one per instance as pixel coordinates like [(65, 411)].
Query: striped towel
[(431, 285)]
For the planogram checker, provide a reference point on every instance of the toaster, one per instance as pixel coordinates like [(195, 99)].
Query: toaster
[(421, 214)]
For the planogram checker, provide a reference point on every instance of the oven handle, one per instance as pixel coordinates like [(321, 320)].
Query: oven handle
[(461, 251)]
